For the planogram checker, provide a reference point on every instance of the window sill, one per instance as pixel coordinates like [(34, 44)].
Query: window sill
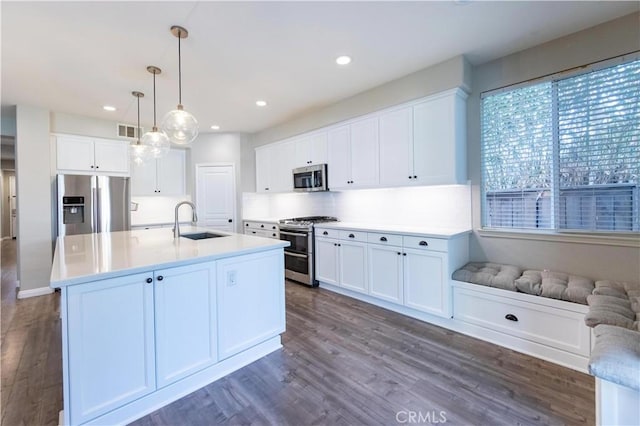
[(627, 240)]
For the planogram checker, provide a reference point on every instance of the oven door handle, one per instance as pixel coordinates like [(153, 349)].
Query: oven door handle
[(288, 253), (295, 234)]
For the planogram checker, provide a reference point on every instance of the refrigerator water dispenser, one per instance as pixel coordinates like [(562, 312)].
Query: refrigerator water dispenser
[(72, 210)]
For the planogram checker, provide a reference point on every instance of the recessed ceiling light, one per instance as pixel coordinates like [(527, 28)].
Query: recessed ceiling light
[(109, 108), (261, 103), (215, 127), (343, 60)]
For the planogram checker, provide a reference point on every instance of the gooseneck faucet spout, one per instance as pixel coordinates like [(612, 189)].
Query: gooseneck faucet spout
[(194, 217)]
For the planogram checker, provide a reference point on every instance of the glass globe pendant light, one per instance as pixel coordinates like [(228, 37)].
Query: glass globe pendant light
[(180, 126), (156, 142), (139, 152)]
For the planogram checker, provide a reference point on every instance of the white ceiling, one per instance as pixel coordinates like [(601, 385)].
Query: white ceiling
[(74, 57)]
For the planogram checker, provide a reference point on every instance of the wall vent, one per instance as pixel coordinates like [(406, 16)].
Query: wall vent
[(128, 131)]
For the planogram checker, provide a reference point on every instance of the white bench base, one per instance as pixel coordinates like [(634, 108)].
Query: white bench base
[(616, 405)]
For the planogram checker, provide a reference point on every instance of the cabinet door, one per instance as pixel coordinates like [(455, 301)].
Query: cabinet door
[(434, 142), (311, 149), (326, 258), (185, 314), (353, 266), (426, 286), (385, 272), (171, 173), (396, 147), (110, 345), (143, 178), (250, 300), (74, 154), (282, 164), (364, 153), (339, 157), (111, 157), (263, 169)]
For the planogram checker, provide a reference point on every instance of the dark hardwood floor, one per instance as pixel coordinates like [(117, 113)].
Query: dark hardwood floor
[(31, 352), (344, 362)]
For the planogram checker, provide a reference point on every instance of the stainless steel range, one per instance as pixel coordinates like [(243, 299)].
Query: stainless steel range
[(299, 262)]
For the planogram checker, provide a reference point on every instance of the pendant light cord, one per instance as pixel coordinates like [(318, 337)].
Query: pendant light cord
[(138, 143), (154, 99), (179, 69)]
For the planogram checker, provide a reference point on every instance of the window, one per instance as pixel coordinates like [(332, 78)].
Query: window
[(564, 154)]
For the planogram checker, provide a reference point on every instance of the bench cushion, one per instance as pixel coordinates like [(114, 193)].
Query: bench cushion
[(572, 288), (616, 356), (614, 303), (489, 274)]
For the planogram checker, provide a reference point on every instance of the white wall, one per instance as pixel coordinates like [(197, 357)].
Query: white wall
[(604, 41), (34, 197), (212, 148), (80, 125)]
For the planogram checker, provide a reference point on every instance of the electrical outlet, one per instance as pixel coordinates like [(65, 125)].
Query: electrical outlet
[(231, 278)]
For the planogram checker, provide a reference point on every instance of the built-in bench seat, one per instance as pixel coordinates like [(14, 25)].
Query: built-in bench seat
[(537, 312)]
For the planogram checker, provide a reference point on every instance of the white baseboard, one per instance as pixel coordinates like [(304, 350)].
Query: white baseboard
[(23, 294)]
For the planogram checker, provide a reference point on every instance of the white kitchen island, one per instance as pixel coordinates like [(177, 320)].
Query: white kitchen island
[(148, 319)]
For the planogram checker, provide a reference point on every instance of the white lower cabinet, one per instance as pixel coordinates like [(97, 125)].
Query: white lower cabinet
[(412, 271), (185, 316), (110, 345), (342, 263), (353, 265), (386, 272), (327, 261), (255, 282), (426, 286)]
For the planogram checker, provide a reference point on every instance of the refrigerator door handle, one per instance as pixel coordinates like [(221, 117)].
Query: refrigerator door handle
[(96, 204)]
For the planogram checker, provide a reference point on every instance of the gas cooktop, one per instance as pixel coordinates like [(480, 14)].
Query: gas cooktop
[(307, 220)]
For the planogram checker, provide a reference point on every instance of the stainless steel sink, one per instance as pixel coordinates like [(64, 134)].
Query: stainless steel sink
[(202, 236)]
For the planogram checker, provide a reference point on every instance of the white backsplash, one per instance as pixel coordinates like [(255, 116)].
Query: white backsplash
[(157, 209), (446, 206)]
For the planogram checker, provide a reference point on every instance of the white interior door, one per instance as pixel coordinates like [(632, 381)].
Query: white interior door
[(12, 206), (216, 196)]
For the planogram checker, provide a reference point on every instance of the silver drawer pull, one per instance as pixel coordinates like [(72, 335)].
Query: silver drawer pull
[(511, 317), (423, 243), (288, 253)]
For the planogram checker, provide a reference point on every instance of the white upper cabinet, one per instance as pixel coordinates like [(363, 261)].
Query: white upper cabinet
[(396, 147), (422, 142), (353, 155), (79, 155), (439, 140), (274, 165), (311, 149), (164, 176)]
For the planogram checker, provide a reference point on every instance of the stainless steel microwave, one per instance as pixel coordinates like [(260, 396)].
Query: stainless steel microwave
[(310, 178)]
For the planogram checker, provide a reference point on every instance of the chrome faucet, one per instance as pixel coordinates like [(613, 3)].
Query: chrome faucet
[(194, 217)]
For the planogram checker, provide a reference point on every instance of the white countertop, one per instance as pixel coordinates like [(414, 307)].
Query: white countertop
[(89, 257), (422, 231)]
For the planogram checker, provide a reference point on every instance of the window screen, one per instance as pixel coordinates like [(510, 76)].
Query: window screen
[(564, 154)]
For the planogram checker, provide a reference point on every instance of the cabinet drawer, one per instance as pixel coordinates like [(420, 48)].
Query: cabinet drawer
[(424, 243), (329, 233), (551, 326), (384, 239), (353, 236), (263, 226), (262, 233)]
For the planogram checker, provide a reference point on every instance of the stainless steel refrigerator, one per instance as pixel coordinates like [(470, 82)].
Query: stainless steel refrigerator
[(88, 204)]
